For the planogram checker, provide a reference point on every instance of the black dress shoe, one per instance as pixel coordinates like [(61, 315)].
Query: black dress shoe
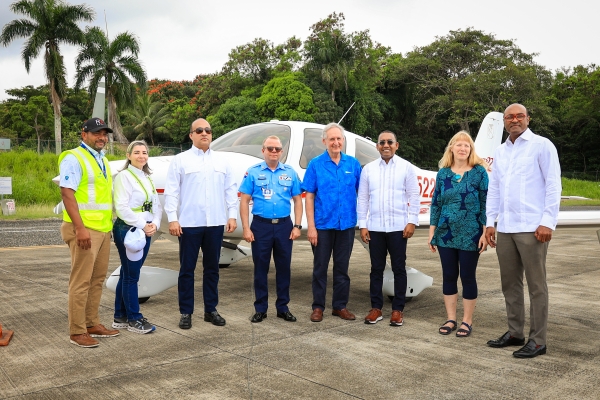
[(215, 318), (506, 340), (186, 321), (530, 350), (287, 316), (258, 317)]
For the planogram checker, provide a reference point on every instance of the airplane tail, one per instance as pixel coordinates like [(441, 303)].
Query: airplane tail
[(489, 136)]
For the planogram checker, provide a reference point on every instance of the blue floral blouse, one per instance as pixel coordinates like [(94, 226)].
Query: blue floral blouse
[(458, 208)]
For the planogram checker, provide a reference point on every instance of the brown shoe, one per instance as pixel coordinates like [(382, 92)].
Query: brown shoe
[(374, 316), (84, 340), (397, 318), (317, 315), (101, 331), (344, 314)]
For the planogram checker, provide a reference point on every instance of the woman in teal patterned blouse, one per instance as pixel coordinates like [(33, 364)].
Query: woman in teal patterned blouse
[(457, 226)]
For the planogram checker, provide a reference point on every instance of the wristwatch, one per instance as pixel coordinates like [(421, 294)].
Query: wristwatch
[(298, 226)]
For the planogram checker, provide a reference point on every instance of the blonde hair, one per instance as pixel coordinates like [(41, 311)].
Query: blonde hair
[(448, 157), (145, 168)]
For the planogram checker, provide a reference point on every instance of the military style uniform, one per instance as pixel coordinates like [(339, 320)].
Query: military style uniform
[(271, 192)]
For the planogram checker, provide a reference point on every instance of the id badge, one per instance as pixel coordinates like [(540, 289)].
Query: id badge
[(267, 193)]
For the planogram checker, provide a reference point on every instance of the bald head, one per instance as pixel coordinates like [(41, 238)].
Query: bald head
[(201, 134)]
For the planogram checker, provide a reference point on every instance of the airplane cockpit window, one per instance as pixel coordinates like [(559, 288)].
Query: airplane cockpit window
[(313, 146), (249, 140), (365, 153)]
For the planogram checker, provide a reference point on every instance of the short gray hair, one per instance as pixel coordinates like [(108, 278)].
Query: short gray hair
[(271, 137), (332, 125)]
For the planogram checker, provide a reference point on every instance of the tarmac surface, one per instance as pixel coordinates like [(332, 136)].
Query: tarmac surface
[(333, 359)]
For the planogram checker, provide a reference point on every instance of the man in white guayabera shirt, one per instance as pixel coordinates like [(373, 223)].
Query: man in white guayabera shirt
[(524, 193), (200, 203), (388, 211)]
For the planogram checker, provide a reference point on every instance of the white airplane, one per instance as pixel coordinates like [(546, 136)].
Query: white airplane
[(302, 142)]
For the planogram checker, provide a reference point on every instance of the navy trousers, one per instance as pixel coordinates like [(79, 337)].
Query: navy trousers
[(272, 238), (190, 242), (340, 243), (457, 262), (381, 243)]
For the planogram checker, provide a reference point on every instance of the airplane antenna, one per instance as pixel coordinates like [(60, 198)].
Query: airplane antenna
[(340, 121)]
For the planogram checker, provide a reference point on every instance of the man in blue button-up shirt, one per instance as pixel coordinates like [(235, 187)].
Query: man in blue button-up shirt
[(271, 185), (331, 183)]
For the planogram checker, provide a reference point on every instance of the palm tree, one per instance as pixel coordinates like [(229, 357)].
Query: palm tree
[(147, 118), (118, 63), (50, 24)]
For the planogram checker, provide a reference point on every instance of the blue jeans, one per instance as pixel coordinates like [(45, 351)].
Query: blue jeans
[(340, 243), (209, 239), (126, 298)]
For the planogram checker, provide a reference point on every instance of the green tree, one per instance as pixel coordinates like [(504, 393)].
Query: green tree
[(182, 114), (118, 63), (236, 112), (576, 106), (50, 23), (35, 117), (328, 52), (287, 98), (146, 118)]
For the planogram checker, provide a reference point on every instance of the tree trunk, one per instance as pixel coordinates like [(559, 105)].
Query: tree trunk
[(113, 120), (57, 115)]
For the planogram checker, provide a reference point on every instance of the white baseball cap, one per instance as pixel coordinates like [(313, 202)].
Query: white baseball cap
[(135, 241)]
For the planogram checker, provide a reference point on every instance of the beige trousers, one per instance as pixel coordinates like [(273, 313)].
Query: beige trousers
[(88, 271), (518, 253)]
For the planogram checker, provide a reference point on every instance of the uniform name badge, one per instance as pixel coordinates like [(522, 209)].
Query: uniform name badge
[(267, 193)]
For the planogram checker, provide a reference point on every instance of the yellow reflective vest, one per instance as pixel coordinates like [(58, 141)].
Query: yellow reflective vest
[(94, 193)]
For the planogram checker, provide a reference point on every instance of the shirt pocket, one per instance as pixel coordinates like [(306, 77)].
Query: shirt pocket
[(191, 168), (349, 178), (284, 182), (523, 165)]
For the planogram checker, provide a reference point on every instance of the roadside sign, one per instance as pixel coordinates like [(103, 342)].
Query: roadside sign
[(6, 185), (4, 144)]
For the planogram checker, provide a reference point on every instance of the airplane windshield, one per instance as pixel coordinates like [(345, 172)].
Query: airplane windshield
[(313, 146), (365, 153), (249, 140)]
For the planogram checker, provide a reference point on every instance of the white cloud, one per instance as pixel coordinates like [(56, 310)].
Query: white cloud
[(183, 38)]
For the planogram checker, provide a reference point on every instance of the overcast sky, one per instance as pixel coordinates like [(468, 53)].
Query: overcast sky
[(183, 38)]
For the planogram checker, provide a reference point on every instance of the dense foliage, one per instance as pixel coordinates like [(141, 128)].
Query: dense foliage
[(425, 96)]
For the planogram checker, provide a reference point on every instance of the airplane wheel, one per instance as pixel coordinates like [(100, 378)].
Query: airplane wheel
[(224, 265), (142, 300), (406, 300), (391, 298)]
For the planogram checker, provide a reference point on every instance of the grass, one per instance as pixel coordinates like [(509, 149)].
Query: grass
[(36, 195), (35, 211)]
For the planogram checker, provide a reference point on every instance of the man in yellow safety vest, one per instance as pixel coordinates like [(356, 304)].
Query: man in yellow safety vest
[(86, 190)]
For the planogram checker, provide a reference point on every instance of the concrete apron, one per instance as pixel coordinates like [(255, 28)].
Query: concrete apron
[(277, 359)]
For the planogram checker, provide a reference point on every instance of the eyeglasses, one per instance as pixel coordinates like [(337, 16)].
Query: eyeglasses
[(199, 130), (389, 142), (510, 117), (273, 149)]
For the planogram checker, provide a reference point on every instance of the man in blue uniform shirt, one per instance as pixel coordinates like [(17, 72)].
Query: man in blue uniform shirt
[(271, 185), (331, 183)]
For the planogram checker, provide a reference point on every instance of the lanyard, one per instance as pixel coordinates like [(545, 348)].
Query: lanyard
[(142, 185), (102, 167)]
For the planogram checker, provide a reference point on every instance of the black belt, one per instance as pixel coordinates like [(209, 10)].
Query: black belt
[(271, 221)]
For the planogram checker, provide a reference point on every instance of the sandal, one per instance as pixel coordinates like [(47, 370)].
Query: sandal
[(464, 332), (446, 330)]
